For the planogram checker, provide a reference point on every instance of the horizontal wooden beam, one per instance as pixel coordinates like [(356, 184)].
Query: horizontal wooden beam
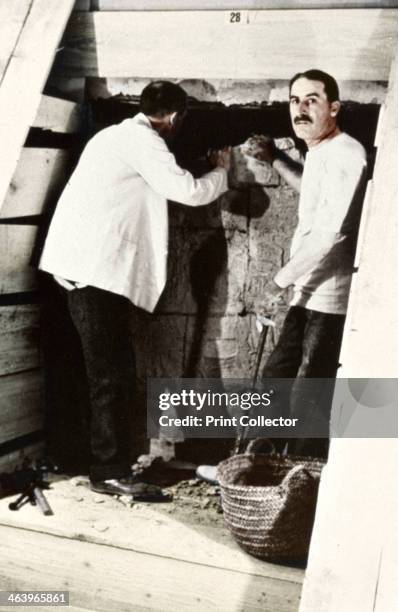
[(24, 79), (38, 179), (19, 338), (130, 530), (264, 44), (234, 5), (17, 243), (22, 404), (24, 298), (59, 115), (84, 566)]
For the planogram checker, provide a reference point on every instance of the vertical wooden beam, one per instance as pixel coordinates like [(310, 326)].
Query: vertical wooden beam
[(12, 19), (351, 560), (26, 73), (372, 323)]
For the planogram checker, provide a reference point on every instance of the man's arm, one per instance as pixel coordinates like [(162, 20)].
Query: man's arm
[(152, 159), (313, 249), (289, 170), (311, 252), (263, 148), (343, 184)]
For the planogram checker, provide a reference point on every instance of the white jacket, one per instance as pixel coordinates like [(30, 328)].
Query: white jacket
[(110, 227)]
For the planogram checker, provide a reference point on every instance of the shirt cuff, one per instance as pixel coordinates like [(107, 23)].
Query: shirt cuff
[(224, 177), (283, 279)]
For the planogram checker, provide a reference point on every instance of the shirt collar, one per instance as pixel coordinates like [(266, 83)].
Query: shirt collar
[(141, 118)]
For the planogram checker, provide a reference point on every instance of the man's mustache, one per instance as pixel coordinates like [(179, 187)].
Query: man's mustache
[(300, 118)]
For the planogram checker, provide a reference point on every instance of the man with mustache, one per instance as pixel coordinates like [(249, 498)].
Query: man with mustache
[(331, 186)]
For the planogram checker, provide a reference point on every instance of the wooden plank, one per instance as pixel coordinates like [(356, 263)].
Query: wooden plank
[(104, 578), (357, 480), (150, 44), (38, 180), (21, 404), (16, 247), (19, 338), (360, 478), (12, 18), (387, 591), (234, 5), (17, 459), (25, 77), (131, 529), (371, 317), (59, 115)]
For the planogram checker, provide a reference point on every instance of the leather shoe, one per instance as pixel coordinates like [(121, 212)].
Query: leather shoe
[(131, 485)]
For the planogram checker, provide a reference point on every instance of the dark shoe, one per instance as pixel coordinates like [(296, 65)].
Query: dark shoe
[(131, 485)]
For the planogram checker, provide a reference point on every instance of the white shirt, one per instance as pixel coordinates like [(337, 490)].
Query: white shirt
[(323, 245), (110, 227)]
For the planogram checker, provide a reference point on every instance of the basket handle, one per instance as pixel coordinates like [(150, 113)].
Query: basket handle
[(290, 476), (258, 443)]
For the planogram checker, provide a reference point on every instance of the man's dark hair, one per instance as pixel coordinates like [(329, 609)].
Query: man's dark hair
[(161, 98), (330, 84)]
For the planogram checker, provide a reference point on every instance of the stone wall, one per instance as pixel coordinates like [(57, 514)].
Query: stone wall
[(222, 257)]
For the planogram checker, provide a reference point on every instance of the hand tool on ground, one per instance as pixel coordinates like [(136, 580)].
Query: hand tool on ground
[(29, 483)]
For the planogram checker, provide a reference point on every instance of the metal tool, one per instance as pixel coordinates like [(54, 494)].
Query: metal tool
[(29, 483), (263, 323)]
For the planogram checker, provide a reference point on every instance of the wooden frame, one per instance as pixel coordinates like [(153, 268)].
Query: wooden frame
[(360, 538), (143, 44), (234, 5), (27, 68), (30, 31)]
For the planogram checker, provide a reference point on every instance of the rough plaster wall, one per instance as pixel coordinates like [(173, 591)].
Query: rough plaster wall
[(222, 257), (230, 91), (220, 265), (221, 261)]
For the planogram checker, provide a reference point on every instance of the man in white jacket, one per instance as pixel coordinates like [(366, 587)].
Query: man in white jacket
[(107, 249)]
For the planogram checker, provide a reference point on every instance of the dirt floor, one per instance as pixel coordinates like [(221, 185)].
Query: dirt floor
[(108, 551), (194, 502)]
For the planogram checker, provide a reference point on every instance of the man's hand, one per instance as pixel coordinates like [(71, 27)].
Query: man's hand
[(220, 159), (276, 296), (260, 147)]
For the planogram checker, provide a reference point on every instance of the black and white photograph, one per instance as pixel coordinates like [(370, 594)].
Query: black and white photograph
[(198, 298)]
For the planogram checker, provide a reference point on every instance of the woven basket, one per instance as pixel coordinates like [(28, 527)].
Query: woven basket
[(269, 503)]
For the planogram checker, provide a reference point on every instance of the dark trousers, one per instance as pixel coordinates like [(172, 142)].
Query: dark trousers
[(308, 348), (98, 333)]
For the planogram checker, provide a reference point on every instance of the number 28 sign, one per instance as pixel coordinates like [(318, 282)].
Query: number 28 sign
[(237, 17)]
